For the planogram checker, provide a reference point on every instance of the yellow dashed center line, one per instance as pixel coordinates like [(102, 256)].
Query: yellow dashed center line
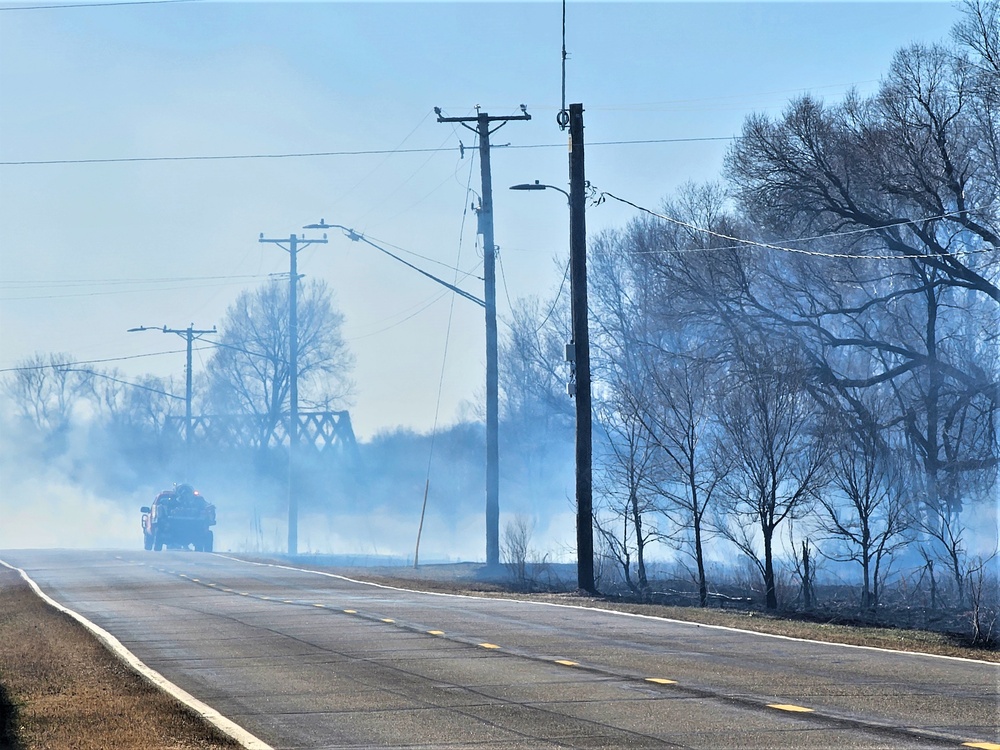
[(790, 707)]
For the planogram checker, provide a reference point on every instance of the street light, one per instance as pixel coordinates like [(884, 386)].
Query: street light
[(578, 353), (351, 234), (536, 185)]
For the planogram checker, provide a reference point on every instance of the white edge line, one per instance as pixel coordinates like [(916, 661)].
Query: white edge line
[(617, 612), (206, 712)]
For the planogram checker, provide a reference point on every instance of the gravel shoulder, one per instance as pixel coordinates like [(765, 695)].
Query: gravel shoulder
[(61, 688)]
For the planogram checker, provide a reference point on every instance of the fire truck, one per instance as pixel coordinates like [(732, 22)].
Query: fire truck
[(179, 518)]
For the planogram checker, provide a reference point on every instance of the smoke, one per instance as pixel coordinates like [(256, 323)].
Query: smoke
[(83, 488), (42, 505)]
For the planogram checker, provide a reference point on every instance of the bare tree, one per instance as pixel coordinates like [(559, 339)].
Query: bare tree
[(249, 374), (536, 412), (867, 516), (944, 537), (679, 415), (627, 463), (515, 549), (44, 390), (983, 583), (771, 428), (979, 32), (894, 278)]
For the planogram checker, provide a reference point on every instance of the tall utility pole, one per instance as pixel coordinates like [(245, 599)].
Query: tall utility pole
[(292, 246), (190, 334), (581, 352), (482, 129)]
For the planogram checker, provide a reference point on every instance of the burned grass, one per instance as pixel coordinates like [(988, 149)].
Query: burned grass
[(469, 580), (60, 688)]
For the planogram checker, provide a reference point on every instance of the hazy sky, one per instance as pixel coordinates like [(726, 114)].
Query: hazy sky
[(91, 249)]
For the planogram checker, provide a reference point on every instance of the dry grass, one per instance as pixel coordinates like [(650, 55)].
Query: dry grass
[(60, 688)]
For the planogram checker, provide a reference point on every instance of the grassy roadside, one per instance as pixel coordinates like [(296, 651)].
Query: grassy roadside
[(60, 688), (461, 580)]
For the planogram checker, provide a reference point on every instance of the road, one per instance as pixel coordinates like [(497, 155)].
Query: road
[(304, 660)]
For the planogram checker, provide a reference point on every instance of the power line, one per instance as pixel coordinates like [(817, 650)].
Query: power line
[(33, 285), (126, 382), (63, 365), (466, 274), (316, 154), (800, 251), (153, 280), (96, 5)]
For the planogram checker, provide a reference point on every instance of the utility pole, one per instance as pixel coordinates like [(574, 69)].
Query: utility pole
[(189, 334), (482, 129), (292, 246), (581, 352)]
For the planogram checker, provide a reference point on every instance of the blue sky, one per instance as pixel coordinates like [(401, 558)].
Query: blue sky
[(89, 250)]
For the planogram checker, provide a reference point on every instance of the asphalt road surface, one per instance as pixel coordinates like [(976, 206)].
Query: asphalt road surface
[(306, 660)]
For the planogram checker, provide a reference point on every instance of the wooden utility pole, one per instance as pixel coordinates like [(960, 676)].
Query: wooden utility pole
[(294, 244), (190, 334), (581, 352), (482, 129)]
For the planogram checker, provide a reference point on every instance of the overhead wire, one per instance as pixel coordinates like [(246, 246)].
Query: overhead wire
[(388, 155), (422, 306), (318, 154), (447, 342), (400, 185), (63, 365), (118, 291), (555, 301), (68, 6), (425, 257), (126, 382), (743, 243)]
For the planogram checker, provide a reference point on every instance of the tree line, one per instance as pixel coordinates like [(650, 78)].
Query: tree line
[(804, 354)]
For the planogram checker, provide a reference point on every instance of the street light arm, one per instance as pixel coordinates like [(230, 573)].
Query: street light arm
[(442, 282), (536, 185), (321, 224), (355, 236)]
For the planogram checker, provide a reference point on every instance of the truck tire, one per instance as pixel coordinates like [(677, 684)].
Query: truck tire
[(157, 542), (147, 541), (209, 541)]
